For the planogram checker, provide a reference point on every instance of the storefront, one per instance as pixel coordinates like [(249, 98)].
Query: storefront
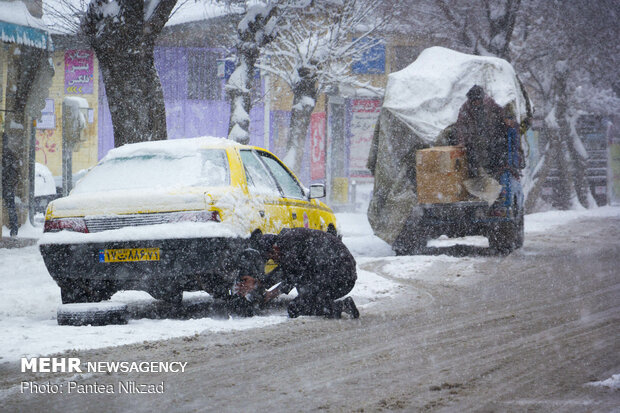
[(25, 77)]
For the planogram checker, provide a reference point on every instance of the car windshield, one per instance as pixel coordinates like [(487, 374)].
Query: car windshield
[(205, 168)]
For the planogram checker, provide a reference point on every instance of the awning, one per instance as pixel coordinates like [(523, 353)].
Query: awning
[(27, 36)]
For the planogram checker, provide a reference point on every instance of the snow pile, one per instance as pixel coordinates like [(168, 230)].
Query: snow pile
[(193, 11), (159, 176), (428, 94), (545, 221), (177, 148), (612, 383), (74, 105), (178, 230), (43, 180)]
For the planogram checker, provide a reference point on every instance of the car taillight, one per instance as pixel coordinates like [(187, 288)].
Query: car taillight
[(70, 224), (198, 216)]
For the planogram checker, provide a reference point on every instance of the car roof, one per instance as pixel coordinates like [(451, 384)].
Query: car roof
[(172, 147)]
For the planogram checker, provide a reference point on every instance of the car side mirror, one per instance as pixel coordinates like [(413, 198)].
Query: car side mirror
[(317, 191)]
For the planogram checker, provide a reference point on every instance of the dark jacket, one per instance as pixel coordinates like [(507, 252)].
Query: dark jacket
[(314, 258), (10, 170), (481, 130)]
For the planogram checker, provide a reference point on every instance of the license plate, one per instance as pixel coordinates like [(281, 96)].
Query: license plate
[(129, 255)]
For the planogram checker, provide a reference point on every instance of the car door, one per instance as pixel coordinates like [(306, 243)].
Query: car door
[(301, 211), (264, 191)]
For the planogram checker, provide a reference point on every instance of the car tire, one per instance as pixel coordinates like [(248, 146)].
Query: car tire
[(94, 314)]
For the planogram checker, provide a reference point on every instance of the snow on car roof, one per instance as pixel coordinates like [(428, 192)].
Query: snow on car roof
[(428, 94), (170, 147)]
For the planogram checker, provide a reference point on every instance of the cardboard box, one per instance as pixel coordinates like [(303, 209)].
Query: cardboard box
[(440, 173)]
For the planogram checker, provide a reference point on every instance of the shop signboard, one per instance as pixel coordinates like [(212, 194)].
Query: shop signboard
[(79, 72), (364, 116)]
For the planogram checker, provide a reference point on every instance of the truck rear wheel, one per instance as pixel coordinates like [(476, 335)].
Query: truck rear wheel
[(507, 236), (411, 244)]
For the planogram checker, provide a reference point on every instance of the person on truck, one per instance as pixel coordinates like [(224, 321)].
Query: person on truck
[(480, 129), (514, 158), (316, 263)]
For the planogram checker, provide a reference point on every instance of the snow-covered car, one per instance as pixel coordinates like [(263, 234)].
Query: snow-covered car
[(172, 216), (44, 187)]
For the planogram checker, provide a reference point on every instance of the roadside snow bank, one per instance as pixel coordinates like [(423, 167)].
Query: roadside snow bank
[(613, 382), (544, 221)]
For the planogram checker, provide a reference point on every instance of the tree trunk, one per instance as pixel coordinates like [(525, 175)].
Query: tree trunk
[(23, 64), (123, 39), (304, 101), (255, 31), (240, 92), (135, 96), (562, 154)]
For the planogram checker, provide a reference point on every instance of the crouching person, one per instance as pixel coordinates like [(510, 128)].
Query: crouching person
[(314, 262)]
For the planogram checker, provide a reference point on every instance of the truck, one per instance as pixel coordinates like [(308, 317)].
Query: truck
[(421, 103)]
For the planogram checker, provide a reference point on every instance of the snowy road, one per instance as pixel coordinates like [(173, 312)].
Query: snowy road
[(528, 331)]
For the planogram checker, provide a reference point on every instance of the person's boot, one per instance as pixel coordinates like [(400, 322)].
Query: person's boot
[(349, 307), (294, 309)]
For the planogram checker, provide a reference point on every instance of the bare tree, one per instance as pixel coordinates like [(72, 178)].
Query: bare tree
[(313, 52), (483, 26), (122, 33), (567, 63), (570, 68)]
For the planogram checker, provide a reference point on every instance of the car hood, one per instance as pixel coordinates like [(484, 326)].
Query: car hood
[(135, 201)]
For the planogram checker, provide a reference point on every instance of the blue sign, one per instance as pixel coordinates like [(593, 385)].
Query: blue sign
[(226, 67), (27, 36), (372, 61)]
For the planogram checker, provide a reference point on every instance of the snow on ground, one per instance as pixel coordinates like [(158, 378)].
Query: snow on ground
[(30, 298), (612, 383)]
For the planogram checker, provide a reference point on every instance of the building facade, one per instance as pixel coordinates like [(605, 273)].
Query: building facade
[(191, 59), (25, 77)]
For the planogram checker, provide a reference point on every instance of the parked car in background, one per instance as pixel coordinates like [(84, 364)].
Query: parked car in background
[(44, 187), (171, 216)]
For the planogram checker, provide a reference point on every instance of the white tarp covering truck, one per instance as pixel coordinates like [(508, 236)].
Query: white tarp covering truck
[(421, 102)]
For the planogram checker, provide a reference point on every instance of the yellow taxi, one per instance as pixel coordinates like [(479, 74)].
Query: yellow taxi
[(172, 216)]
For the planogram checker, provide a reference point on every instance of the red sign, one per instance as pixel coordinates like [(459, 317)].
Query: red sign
[(364, 116), (317, 146)]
